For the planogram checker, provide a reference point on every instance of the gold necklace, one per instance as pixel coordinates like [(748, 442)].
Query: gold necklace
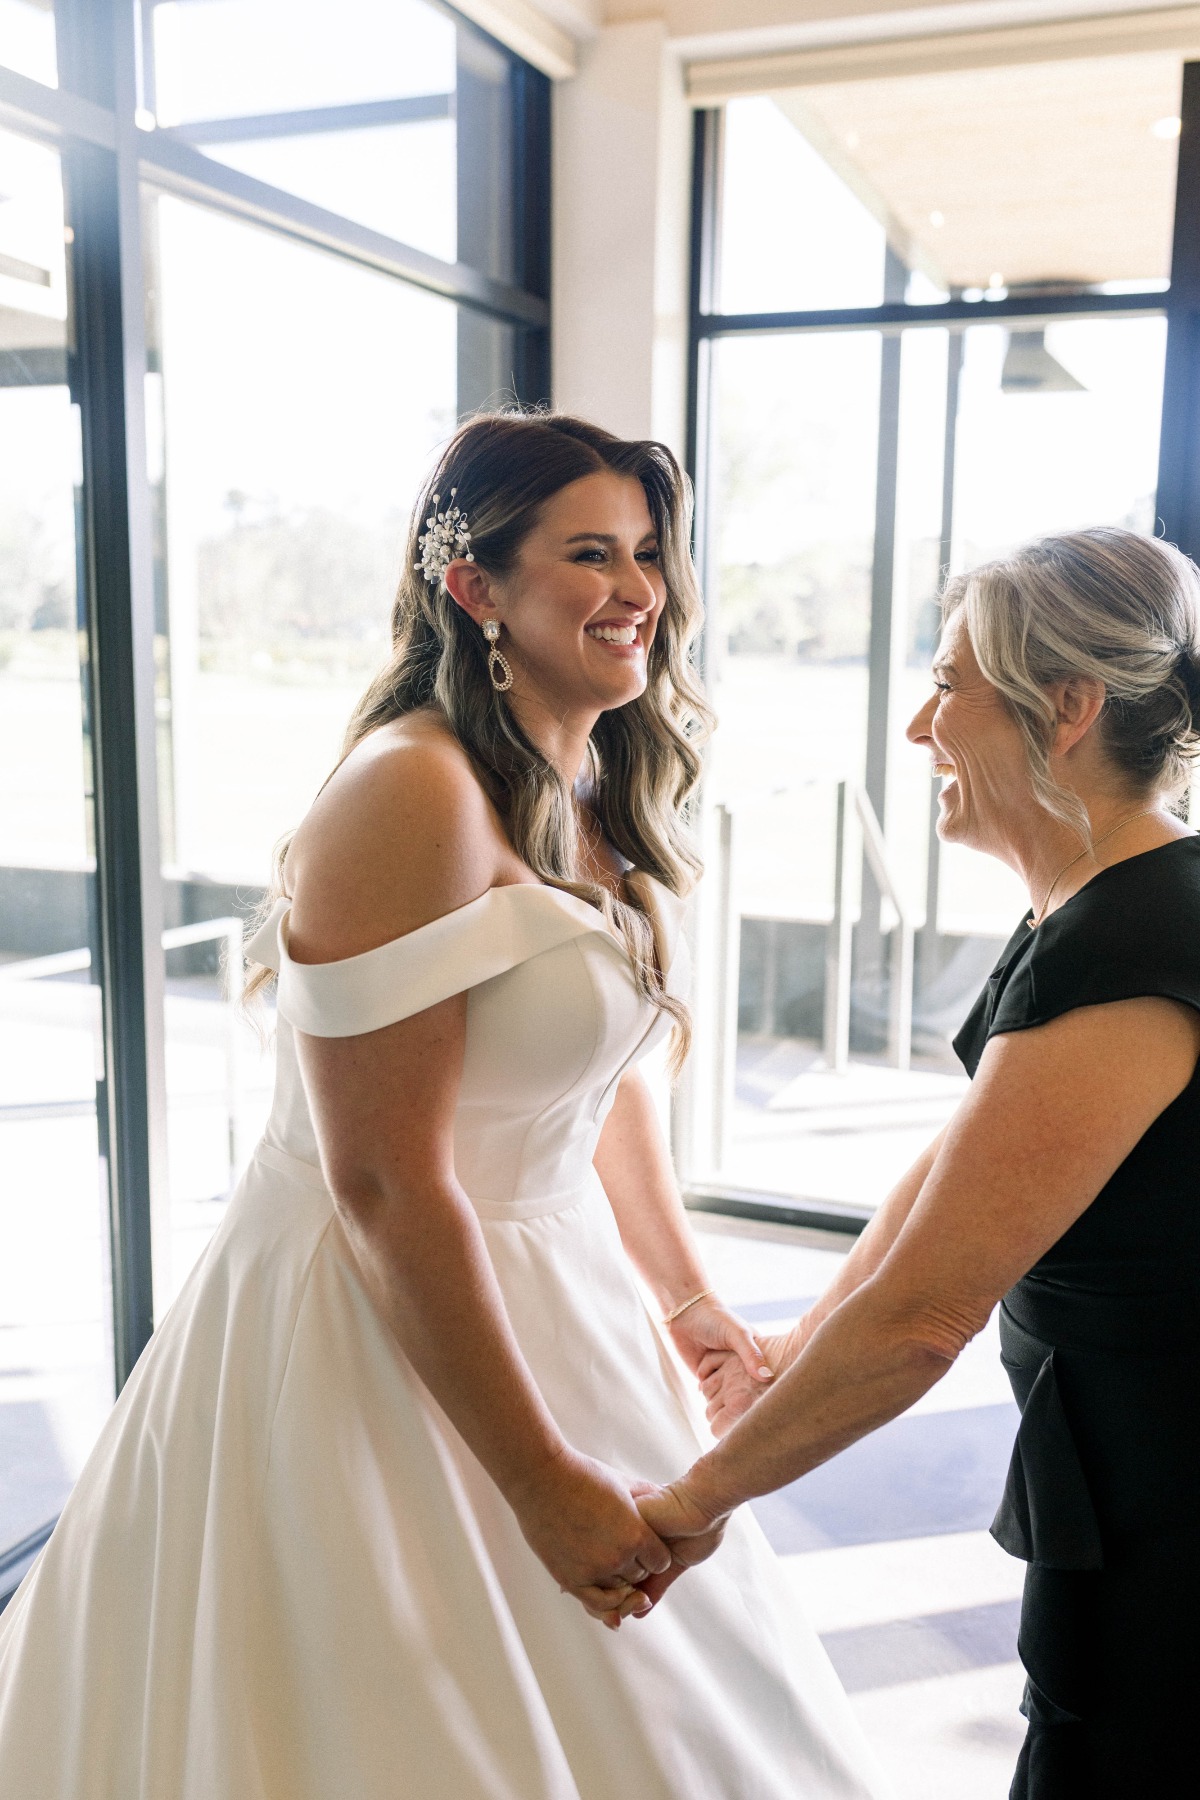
[(1144, 814)]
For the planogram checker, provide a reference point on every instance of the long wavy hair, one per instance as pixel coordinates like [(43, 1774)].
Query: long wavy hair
[(643, 757)]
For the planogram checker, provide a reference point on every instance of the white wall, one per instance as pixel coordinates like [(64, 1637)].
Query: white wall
[(622, 149)]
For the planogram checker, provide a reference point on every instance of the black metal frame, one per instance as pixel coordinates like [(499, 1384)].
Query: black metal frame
[(92, 118), (1178, 497)]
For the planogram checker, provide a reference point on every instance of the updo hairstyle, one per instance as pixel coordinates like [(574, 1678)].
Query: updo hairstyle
[(1106, 604)]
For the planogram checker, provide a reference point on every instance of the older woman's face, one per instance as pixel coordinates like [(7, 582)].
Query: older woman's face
[(976, 747)]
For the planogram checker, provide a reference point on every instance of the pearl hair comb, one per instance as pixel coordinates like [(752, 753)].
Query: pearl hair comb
[(445, 537)]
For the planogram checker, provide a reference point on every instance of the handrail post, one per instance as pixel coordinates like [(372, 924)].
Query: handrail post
[(838, 948), (900, 976), (900, 1000)]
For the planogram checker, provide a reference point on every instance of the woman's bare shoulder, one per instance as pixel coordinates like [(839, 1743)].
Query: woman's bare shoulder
[(401, 833)]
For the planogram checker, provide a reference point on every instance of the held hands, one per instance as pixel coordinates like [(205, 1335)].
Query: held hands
[(691, 1529), (581, 1520), (730, 1388), (594, 1530), (709, 1335)]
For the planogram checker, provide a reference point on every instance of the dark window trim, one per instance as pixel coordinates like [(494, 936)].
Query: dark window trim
[(1178, 496), (35, 110), (766, 1208), (176, 167), (1179, 454), (315, 121), (901, 316), (170, 160), (90, 119)]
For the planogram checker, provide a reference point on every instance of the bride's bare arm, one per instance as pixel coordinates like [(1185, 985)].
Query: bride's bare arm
[(400, 837), (634, 1166)]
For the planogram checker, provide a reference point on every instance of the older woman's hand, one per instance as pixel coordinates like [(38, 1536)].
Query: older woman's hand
[(690, 1530)]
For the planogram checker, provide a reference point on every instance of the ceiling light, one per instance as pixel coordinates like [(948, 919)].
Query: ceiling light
[(1165, 128), (937, 220), (1029, 367)]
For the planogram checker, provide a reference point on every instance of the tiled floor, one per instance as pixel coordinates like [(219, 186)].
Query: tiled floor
[(887, 1547)]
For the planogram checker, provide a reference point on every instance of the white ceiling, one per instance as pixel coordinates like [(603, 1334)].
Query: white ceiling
[(1046, 171)]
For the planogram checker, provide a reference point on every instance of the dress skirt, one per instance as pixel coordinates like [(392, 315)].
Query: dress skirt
[(282, 1576)]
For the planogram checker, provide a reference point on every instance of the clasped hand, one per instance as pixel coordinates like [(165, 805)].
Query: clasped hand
[(618, 1545), (581, 1519)]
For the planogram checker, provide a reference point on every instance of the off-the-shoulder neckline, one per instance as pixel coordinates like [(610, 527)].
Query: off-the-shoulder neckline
[(662, 945)]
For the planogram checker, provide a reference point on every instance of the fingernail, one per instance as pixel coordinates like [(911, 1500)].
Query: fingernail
[(639, 1612), (764, 1371)]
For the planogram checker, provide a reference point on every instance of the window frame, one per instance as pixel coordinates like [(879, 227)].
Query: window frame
[(93, 119), (707, 1088)]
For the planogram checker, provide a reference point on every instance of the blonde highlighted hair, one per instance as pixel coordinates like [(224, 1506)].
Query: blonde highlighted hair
[(644, 757), (1105, 604)]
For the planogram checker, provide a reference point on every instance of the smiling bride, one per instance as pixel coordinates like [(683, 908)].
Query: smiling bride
[(334, 1540)]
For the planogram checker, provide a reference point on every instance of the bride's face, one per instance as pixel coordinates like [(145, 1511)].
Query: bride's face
[(583, 601)]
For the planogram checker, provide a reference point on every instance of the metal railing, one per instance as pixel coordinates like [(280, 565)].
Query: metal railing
[(851, 797), (857, 832), (227, 930)]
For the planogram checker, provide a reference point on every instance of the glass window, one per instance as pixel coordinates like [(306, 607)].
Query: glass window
[(398, 179), (223, 59), (298, 398), (983, 181), (27, 39), (397, 116), (1055, 429), (55, 1298), (790, 599), (795, 233)]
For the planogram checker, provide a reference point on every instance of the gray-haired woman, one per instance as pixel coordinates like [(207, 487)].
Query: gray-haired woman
[(1067, 1186)]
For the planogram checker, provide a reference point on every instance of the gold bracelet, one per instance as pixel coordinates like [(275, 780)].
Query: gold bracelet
[(705, 1294)]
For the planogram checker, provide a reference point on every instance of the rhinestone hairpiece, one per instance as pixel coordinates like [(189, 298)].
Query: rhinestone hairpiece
[(445, 537)]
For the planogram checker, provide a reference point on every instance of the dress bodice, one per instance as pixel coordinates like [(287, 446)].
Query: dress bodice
[(553, 1021)]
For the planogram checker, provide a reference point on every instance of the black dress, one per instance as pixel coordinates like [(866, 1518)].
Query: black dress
[(1101, 1341)]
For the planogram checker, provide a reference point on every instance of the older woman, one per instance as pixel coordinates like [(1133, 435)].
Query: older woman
[(1067, 1186)]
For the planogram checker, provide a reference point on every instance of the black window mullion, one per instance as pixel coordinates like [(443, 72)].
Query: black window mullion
[(107, 372), (1178, 500), (531, 103)]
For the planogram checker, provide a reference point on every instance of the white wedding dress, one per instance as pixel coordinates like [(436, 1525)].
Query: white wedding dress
[(283, 1576)]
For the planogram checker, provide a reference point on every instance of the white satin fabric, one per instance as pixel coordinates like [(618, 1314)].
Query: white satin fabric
[(282, 1575)]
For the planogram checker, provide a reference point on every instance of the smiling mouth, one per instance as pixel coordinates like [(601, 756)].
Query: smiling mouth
[(945, 770), (613, 634)]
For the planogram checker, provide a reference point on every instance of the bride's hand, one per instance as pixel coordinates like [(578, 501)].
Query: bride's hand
[(728, 1387), (710, 1327), (581, 1521)]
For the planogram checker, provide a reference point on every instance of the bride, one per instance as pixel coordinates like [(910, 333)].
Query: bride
[(333, 1540)]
